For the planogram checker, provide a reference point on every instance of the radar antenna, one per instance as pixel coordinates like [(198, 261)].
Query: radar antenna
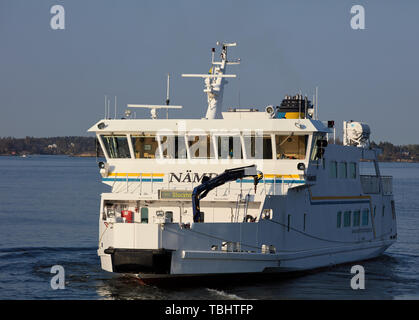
[(215, 80)]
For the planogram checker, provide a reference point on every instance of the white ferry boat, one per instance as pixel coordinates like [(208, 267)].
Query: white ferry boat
[(244, 191)]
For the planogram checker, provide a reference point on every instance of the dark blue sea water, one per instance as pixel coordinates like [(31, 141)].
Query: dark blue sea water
[(49, 209)]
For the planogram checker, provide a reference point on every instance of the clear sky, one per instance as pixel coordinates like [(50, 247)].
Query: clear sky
[(53, 82)]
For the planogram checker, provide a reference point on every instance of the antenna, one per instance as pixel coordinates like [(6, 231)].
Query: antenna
[(106, 99), (115, 107), (317, 103), (109, 106), (214, 81), (167, 95)]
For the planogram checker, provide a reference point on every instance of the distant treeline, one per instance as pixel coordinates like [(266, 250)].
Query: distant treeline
[(403, 153), (88, 146), (73, 146)]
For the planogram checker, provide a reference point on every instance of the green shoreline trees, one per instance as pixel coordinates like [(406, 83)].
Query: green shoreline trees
[(88, 146)]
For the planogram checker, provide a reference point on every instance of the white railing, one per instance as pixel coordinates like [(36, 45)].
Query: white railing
[(371, 184)]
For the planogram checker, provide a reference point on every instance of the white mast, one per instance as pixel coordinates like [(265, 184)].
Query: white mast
[(214, 81)]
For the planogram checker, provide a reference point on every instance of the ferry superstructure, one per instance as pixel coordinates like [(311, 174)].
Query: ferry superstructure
[(311, 208)]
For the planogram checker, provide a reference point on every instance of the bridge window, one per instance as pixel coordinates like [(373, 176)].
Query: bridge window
[(116, 146), (291, 146), (200, 147), (315, 154), (174, 147), (145, 146), (258, 146), (229, 147)]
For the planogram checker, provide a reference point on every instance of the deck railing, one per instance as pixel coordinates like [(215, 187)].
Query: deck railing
[(371, 184)]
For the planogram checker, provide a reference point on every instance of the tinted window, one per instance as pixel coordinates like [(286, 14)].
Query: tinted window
[(116, 146)]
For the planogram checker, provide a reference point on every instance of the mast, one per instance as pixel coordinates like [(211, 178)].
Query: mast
[(215, 80)]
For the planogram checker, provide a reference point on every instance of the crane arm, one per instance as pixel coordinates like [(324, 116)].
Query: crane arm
[(228, 175)]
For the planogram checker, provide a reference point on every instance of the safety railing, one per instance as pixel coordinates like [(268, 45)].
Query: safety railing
[(371, 184)]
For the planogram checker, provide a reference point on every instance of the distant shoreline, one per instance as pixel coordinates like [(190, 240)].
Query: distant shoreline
[(76, 146), (89, 155), (80, 155)]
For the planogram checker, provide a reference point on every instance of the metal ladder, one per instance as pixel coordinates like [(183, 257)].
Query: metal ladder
[(241, 203)]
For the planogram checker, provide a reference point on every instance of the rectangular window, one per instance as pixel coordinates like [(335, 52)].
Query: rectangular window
[(201, 147), (347, 219), (343, 172), (258, 146), (229, 147), (352, 170), (365, 215), (291, 146), (174, 147), (315, 152), (384, 209), (116, 146), (267, 147), (339, 219), (357, 218), (333, 169), (145, 146)]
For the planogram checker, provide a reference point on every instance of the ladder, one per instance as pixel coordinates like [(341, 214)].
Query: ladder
[(241, 203)]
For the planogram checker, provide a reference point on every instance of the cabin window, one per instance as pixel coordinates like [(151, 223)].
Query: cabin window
[(365, 214), (343, 172), (229, 147), (200, 147), (258, 146), (357, 218), (145, 146), (174, 147), (347, 219), (339, 219), (267, 147), (333, 173), (144, 215), (352, 170), (291, 146), (116, 146), (314, 151)]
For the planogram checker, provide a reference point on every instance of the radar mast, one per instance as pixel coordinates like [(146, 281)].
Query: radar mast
[(215, 81)]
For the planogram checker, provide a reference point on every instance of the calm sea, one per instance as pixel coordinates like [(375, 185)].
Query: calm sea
[(48, 216)]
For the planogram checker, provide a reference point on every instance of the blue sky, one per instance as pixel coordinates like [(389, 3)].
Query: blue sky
[(53, 82)]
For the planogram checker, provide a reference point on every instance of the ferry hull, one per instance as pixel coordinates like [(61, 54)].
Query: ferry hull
[(153, 266)]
